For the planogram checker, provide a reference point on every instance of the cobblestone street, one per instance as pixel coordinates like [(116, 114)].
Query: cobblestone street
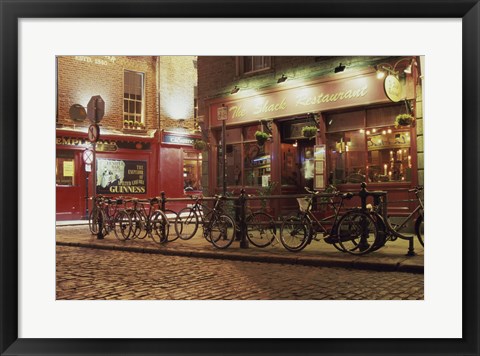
[(84, 273)]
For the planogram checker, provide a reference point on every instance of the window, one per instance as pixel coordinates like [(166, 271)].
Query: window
[(247, 163), (133, 96), (252, 64), (365, 146), (65, 168), (192, 171)]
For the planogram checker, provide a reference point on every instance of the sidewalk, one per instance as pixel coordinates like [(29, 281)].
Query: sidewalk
[(392, 257)]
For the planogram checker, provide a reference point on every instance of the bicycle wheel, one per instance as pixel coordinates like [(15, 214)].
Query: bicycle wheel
[(222, 231), (419, 229), (122, 225), (138, 224), (160, 227), (294, 232), (93, 221), (357, 233), (206, 219), (261, 229), (186, 223), (172, 217)]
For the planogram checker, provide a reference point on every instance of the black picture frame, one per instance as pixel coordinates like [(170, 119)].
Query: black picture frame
[(12, 11)]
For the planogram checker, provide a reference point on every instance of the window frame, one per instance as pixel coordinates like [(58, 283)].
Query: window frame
[(366, 128), (199, 167), (240, 64), (142, 102)]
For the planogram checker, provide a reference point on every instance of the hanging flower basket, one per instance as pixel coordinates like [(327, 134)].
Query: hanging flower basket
[(309, 131), (200, 145), (261, 137), (404, 120)]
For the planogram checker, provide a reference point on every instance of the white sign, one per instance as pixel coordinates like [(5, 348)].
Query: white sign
[(88, 156), (222, 113)]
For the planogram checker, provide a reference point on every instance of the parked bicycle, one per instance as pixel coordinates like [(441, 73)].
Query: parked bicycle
[(300, 228), (110, 214), (261, 229), (190, 218), (148, 220), (219, 227), (366, 229)]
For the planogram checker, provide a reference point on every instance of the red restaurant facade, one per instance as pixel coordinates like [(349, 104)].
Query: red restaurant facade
[(356, 139)]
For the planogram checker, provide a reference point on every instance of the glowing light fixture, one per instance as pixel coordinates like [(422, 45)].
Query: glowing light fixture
[(374, 130), (282, 79), (380, 72), (295, 144), (389, 130), (408, 70), (235, 90)]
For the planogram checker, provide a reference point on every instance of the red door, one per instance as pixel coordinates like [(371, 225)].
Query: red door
[(70, 185)]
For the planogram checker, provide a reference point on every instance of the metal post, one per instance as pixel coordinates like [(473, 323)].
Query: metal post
[(363, 244), (94, 169), (224, 158), (164, 237), (242, 200), (86, 196), (163, 201)]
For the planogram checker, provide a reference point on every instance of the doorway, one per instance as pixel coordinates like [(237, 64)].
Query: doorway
[(296, 151)]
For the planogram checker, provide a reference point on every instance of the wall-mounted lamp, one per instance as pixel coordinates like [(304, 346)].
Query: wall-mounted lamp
[(295, 144), (235, 90), (408, 70), (282, 79), (380, 72), (340, 68)]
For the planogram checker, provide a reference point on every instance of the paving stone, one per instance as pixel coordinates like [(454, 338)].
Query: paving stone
[(108, 274)]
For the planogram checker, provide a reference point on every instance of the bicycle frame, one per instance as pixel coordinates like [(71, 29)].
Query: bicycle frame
[(381, 212), (316, 224)]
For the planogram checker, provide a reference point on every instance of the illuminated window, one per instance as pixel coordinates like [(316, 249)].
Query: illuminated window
[(253, 169), (252, 64), (365, 146), (133, 94), (192, 171), (65, 168)]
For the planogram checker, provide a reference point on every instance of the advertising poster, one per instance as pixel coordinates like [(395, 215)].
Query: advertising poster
[(121, 177)]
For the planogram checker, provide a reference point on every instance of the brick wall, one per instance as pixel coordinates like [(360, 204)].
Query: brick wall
[(81, 77)]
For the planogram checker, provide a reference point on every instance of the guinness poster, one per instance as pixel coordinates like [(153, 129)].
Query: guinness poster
[(121, 177)]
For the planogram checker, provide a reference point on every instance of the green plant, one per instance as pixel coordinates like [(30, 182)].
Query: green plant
[(309, 131), (130, 123), (200, 145), (266, 191), (125, 123), (142, 125), (261, 137), (404, 120)]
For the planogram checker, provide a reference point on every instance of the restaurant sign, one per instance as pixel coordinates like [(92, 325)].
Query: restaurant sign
[(310, 98), (178, 140), (121, 177)]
